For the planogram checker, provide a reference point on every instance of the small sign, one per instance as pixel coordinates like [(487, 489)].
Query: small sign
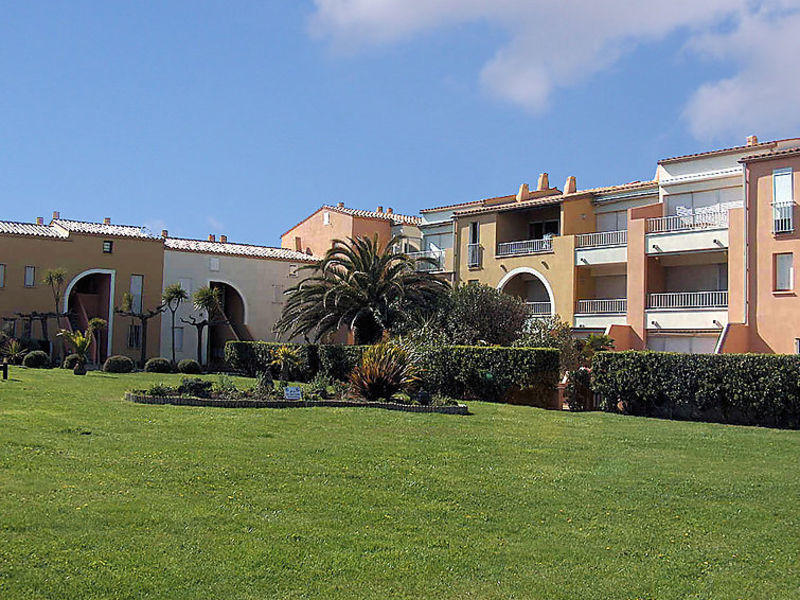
[(292, 393)]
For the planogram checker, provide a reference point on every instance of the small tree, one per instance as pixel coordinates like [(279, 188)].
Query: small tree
[(143, 316), (55, 278), (80, 342), (552, 332), (172, 297), (207, 301), (285, 358), (96, 325)]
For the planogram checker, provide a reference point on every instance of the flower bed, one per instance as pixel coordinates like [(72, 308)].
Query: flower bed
[(142, 398)]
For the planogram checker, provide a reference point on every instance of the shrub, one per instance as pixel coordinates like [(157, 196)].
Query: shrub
[(489, 373), (14, 351), (338, 362), (194, 386), (70, 361), (578, 393), (552, 332), (189, 366), (745, 389), (161, 390), (118, 364), (225, 387), (36, 360), (251, 358), (264, 381), (385, 369), (158, 365), (319, 385)]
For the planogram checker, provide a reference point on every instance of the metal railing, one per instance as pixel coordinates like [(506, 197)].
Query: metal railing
[(474, 255), (783, 217), (716, 219), (432, 260), (524, 247), (611, 306), (715, 299), (601, 239), (539, 309)]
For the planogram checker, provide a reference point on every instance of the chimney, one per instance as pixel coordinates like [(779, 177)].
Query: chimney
[(40, 220), (340, 205), (211, 237), (380, 209), (390, 210), (164, 233), (223, 238), (752, 140), (56, 215), (523, 193), (107, 221), (544, 182), (571, 186)]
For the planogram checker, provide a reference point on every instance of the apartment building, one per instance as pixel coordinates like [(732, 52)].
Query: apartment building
[(102, 261), (252, 281)]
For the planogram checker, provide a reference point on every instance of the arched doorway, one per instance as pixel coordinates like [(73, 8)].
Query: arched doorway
[(532, 287), (234, 320), (91, 295)]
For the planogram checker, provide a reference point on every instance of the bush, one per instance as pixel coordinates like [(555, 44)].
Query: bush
[(578, 393), (385, 370), (161, 390), (196, 387), (338, 362), (70, 361), (189, 366), (319, 385), (744, 389), (158, 365), (36, 360), (118, 364), (489, 372), (251, 358)]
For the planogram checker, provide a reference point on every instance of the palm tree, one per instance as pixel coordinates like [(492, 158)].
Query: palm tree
[(172, 297), (80, 342), (285, 357), (359, 285), (206, 300), (55, 278), (96, 324)]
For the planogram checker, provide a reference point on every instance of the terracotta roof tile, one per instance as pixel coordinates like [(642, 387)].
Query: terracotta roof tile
[(718, 151), (32, 229), (770, 155), (102, 228), (248, 250), (395, 218)]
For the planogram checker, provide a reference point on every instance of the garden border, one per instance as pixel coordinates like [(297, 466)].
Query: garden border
[(458, 409)]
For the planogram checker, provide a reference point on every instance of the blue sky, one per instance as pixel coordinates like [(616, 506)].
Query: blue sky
[(242, 118)]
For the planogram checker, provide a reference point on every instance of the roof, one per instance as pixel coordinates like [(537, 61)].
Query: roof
[(447, 206), (730, 150), (102, 229), (206, 247), (32, 229), (395, 218), (541, 201), (770, 155)]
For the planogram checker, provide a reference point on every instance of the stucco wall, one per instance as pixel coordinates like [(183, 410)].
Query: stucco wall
[(315, 236)]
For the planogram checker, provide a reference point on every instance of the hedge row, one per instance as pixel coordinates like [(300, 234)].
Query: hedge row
[(742, 389), (478, 372)]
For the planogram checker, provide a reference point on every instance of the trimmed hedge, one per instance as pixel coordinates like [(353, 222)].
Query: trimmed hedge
[(158, 365), (189, 366), (118, 364), (492, 373), (255, 357), (338, 361), (742, 389), (36, 360)]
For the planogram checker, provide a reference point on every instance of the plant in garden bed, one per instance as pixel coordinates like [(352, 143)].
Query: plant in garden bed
[(385, 370), (80, 341), (285, 358), (14, 351)]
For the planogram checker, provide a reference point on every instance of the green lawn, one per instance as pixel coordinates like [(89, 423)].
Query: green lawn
[(100, 498)]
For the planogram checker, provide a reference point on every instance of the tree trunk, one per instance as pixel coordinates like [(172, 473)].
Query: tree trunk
[(200, 327), (143, 356), (173, 336)]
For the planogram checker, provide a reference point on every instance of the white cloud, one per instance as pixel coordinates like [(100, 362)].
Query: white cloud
[(558, 44)]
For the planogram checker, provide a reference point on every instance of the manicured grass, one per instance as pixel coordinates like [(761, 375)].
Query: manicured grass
[(100, 498)]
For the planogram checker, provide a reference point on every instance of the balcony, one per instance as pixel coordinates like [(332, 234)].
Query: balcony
[(474, 256), (600, 313), (430, 261), (701, 231), (783, 217), (524, 248), (707, 310), (539, 309), (602, 247)]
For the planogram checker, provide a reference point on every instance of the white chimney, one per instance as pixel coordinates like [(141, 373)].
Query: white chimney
[(571, 186), (544, 182)]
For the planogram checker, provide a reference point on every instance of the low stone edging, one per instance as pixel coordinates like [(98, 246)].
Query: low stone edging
[(457, 409)]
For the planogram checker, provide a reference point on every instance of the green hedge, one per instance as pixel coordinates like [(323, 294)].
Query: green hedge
[(743, 389), (255, 357), (489, 372), (338, 361)]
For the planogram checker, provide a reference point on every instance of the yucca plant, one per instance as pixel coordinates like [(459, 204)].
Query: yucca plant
[(285, 358), (386, 369), (80, 341), (14, 351)]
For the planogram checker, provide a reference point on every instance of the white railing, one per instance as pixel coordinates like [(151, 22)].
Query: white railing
[(783, 217), (717, 299), (539, 309), (615, 306), (524, 247), (474, 255), (429, 260), (716, 219), (601, 239)]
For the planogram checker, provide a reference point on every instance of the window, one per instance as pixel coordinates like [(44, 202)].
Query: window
[(108, 247), (542, 229), (472, 282), (213, 263), (30, 276), (2, 276), (179, 339), (134, 336), (474, 233), (137, 284), (326, 218), (782, 201), (797, 345), (784, 272), (293, 270)]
